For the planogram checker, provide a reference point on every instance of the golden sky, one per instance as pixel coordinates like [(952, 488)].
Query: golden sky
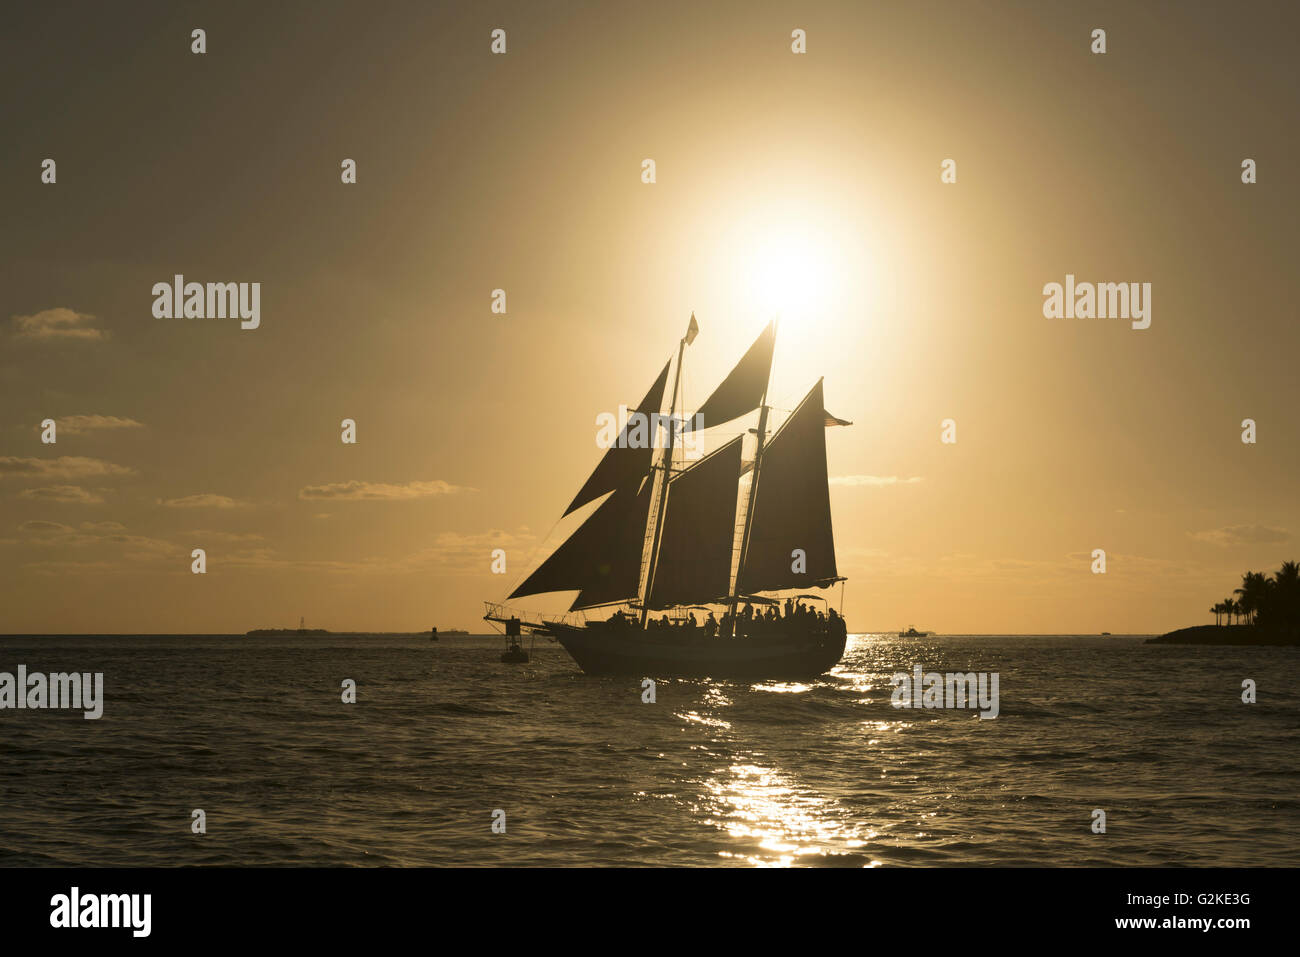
[(805, 185)]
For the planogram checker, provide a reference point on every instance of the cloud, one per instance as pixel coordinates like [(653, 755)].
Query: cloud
[(58, 323), (64, 568), (209, 535), (450, 553), (202, 500), (89, 534), (79, 424), (377, 491), (41, 527), (1242, 535), (1044, 572), (65, 466), (71, 494), (874, 480)]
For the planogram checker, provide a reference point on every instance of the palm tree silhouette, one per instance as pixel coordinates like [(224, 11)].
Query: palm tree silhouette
[(1268, 602), (1254, 592), (1284, 603)]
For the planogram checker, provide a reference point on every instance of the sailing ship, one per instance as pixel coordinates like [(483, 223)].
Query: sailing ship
[(667, 538)]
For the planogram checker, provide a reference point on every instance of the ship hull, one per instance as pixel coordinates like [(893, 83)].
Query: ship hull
[(639, 655)]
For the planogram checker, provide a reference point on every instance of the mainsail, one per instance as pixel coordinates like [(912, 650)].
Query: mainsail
[(792, 507), (602, 559), (743, 390), (694, 561), (622, 464)]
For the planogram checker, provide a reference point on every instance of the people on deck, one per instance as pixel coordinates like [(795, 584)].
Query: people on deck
[(765, 621)]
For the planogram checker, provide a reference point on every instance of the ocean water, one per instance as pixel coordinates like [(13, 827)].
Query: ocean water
[(827, 772)]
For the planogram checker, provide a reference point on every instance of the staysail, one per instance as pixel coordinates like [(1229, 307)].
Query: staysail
[(602, 559), (741, 391), (694, 562), (792, 507), (622, 465)]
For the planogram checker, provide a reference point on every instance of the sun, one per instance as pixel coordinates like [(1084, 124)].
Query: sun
[(790, 273), (814, 266), (787, 266)]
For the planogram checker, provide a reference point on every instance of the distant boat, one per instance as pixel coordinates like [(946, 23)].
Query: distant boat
[(913, 633), (691, 531), (1105, 634)]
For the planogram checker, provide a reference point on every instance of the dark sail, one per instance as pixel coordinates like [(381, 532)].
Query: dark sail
[(624, 466), (602, 559), (699, 529), (614, 565), (742, 390), (792, 506)]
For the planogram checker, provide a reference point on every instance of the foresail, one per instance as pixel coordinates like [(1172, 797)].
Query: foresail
[(694, 564), (602, 559), (791, 543), (742, 390), (623, 466)]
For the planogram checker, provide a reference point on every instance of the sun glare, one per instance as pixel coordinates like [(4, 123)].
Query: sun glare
[(784, 266), (790, 274)]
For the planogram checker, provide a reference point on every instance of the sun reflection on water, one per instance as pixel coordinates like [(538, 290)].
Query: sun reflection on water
[(759, 804), (783, 687), (775, 820)]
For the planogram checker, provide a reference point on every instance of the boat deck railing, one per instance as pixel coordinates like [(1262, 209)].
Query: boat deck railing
[(503, 613)]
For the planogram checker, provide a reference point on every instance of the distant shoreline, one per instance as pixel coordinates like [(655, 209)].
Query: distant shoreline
[(257, 633), (1226, 635), (455, 633)]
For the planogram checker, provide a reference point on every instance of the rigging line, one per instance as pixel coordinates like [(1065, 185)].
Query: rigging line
[(536, 548)]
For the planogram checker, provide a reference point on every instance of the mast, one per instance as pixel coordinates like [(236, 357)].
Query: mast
[(753, 490), (663, 486)]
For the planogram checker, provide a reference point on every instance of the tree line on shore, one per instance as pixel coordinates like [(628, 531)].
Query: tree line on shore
[(1265, 601)]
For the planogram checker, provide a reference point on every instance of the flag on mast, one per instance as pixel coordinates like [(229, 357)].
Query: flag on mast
[(832, 421)]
